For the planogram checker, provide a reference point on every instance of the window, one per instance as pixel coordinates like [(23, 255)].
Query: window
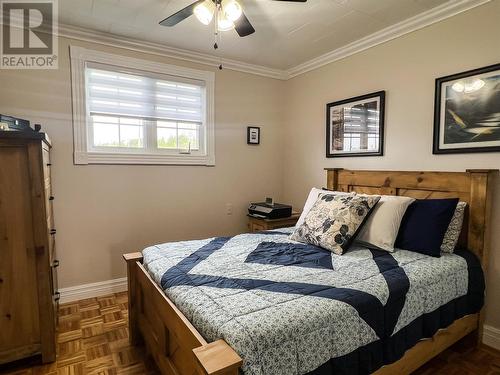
[(361, 129), (130, 111)]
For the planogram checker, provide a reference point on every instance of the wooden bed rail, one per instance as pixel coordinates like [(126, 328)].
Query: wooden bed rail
[(173, 342)]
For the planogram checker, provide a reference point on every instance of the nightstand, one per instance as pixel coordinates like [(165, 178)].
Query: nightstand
[(256, 225)]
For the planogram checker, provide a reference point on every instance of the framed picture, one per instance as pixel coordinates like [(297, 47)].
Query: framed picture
[(467, 112), (355, 126), (253, 135)]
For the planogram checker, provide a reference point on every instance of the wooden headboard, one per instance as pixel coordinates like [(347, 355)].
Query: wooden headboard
[(472, 186)]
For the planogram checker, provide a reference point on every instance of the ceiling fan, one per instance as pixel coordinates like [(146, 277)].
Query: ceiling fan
[(228, 15)]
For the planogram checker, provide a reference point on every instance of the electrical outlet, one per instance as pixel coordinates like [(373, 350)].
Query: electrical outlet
[(229, 209)]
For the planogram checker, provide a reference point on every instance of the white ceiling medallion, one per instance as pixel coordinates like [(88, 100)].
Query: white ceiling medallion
[(437, 14)]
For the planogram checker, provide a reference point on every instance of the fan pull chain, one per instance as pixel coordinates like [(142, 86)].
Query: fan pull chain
[(217, 35), (216, 27)]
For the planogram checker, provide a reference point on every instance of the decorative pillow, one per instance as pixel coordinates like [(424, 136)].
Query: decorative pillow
[(334, 220), (453, 232), (424, 225), (311, 199), (381, 228)]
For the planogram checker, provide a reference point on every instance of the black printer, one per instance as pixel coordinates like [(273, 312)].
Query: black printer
[(265, 210)]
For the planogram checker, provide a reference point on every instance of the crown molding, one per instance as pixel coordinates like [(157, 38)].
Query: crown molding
[(112, 40), (434, 15)]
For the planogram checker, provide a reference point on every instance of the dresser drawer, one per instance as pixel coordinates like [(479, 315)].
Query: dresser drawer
[(49, 198), (46, 166), (257, 227), (52, 249), (54, 267), (260, 224)]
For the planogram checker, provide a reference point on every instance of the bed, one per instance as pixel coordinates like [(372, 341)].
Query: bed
[(289, 308)]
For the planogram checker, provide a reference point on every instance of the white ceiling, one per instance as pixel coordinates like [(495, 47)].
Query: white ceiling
[(287, 34)]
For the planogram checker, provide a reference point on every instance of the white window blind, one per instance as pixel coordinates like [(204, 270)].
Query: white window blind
[(118, 93), (144, 113)]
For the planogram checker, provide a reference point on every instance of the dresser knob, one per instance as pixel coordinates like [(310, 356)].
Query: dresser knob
[(53, 231), (51, 198), (8, 316), (55, 263), (57, 296), (1, 280)]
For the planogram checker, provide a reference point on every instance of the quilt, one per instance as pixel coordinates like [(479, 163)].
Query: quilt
[(293, 308)]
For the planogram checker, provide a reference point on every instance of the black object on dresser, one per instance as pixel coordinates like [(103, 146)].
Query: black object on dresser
[(28, 279)]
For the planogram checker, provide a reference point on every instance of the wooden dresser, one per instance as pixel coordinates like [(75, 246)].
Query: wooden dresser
[(28, 281)]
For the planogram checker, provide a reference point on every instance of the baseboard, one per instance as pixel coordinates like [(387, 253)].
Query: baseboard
[(491, 336), (75, 293)]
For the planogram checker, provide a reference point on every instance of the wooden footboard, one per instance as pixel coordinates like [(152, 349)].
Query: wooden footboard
[(178, 348), (173, 342)]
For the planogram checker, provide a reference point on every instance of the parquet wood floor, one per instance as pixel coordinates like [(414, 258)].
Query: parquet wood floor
[(93, 340)]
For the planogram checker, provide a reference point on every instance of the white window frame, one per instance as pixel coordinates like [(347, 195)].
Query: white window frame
[(83, 154)]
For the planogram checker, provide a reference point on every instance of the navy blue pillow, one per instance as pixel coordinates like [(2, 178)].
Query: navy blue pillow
[(424, 225)]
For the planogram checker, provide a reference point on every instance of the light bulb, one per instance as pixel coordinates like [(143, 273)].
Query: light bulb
[(204, 11), (474, 86), (223, 23), (458, 87), (232, 9)]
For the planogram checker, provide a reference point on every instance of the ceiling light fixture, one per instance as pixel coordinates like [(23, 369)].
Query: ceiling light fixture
[(468, 87), (228, 11), (226, 15)]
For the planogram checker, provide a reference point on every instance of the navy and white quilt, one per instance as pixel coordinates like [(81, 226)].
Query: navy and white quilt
[(292, 308)]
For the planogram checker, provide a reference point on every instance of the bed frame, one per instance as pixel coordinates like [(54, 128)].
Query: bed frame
[(179, 349)]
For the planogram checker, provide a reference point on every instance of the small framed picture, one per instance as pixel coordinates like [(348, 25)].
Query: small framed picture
[(355, 126), (467, 112), (253, 135)]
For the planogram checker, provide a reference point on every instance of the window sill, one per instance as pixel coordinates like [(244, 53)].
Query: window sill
[(83, 158)]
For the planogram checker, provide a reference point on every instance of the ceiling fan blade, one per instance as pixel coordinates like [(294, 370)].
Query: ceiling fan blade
[(181, 15), (243, 26)]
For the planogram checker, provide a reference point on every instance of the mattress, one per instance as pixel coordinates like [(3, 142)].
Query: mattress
[(293, 308)]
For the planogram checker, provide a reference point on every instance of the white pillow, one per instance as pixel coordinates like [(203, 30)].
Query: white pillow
[(381, 228), (311, 199)]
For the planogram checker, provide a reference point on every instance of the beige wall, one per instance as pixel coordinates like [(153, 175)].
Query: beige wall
[(102, 211), (406, 68)]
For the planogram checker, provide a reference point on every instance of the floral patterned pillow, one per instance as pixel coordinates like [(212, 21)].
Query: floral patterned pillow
[(334, 220), (452, 234)]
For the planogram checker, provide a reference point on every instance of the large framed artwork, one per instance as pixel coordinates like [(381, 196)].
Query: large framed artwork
[(355, 126), (467, 112)]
